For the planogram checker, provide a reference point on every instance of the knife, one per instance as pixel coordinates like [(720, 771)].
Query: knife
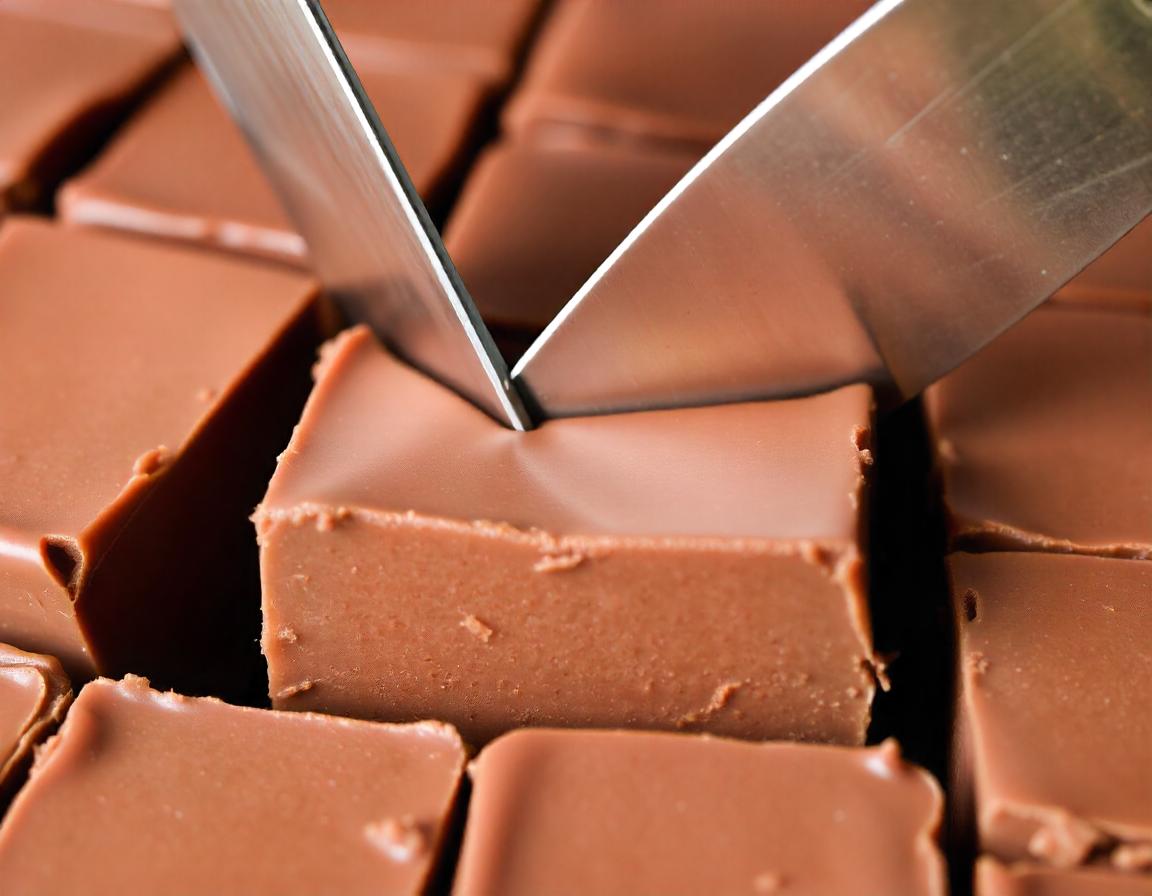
[(922, 183)]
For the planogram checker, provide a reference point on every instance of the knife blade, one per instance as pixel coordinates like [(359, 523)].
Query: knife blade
[(926, 180)]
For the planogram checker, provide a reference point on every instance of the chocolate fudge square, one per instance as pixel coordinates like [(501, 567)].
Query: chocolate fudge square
[(148, 792), (1054, 715), (34, 694), (68, 71), (1043, 439), (564, 812), (995, 879), (145, 395), (696, 569)]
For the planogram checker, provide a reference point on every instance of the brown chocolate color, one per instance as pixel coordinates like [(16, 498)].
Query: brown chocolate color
[(68, 70), (1054, 708), (680, 71), (146, 392), (34, 693), (445, 35), (612, 812), (534, 222), (182, 170), (695, 569), (994, 879), (1121, 278), (149, 792), (1043, 439)]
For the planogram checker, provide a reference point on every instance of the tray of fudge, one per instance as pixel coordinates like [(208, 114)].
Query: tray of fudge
[(280, 614)]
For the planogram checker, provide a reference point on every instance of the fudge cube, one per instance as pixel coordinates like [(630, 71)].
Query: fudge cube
[(995, 879), (34, 694), (145, 395), (1043, 439), (610, 66), (535, 221), (183, 171), (1054, 714), (692, 569), (150, 792), (68, 71), (627, 812)]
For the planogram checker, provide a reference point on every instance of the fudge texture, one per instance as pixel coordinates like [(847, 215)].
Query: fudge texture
[(608, 66), (1043, 439), (1054, 709), (150, 792), (995, 879), (146, 393), (695, 569), (615, 812), (1120, 279), (34, 694), (182, 170), (534, 222), (68, 70)]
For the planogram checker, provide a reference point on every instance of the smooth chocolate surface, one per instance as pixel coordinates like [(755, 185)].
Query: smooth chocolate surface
[(612, 812), (1043, 438), (1055, 708), (68, 68), (182, 170), (149, 792), (680, 71), (34, 693), (1121, 278), (534, 222), (994, 879), (146, 391), (690, 570)]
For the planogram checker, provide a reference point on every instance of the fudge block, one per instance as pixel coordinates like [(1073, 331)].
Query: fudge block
[(620, 812), (182, 170), (34, 693), (534, 222), (1054, 715), (149, 792), (691, 569), (145, 395), (68, 70), (994, 879), (1120, 279), (1043, 439), (609, 66)]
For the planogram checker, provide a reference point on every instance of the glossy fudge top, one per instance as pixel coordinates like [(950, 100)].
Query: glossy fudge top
[(115, 354), (1056, 702), (994, 879), (182, 169), (611, 65), (615, 812), (377, 436), (34, 692), (61, 61), (148, 792), (464, 35), (534, 222), (1043, 438)]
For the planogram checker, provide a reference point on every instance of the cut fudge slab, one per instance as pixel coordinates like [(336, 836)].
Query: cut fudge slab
[(146, 392), (994, 879), (34, 693), (448, 35), (149, 792), (182, 170), (694, 569), (1055, 710), (68, 69), (1121, 278), (1043, 438), (614, 812), (534, 222), (609, 65)]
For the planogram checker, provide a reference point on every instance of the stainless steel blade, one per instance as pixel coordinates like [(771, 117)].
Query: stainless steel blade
[(920, 185), (281, 71)]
